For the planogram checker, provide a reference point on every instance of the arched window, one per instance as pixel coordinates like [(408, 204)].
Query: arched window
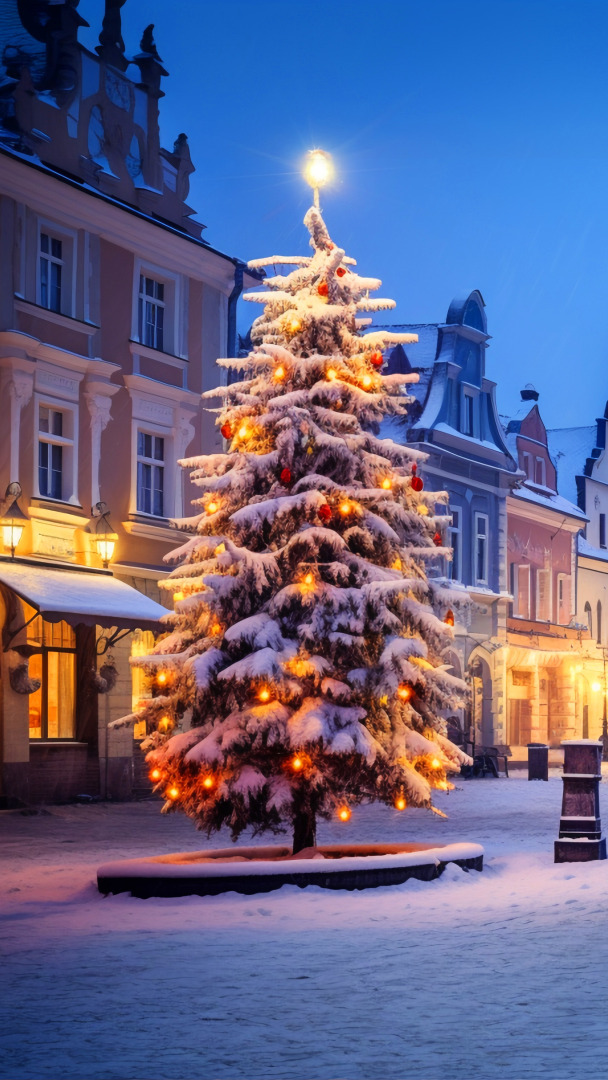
[(589, 616), (599, 622)]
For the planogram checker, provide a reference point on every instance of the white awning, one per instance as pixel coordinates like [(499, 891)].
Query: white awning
[(78, 597)]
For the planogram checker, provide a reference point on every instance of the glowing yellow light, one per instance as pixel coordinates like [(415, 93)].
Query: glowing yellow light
[(264, 694), (162, 677), (279, 373), (443, 785), (344, 813), (386, 483), (331, 374), (366, 381), (318, 169), (397, 564), (177, 596), (345, 508), (384, 700), (212, 507), (596, 686), (297, 763), (208, 782), (242, 432), (165, 723), (422, 509), (172, 793), (405, 692), (219, 549), (309, 579), (155, 774), (294, 324), (400, 803), (435, 763), (215, 628)]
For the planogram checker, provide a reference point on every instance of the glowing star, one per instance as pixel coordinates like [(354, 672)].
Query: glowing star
[(344, 813), (400, 803), (264, 694), (155, 774), (384, 700), (173, 793), (208, 782), (386, 483), (405, 692), (279, 373), (212, 507), (297, 763)]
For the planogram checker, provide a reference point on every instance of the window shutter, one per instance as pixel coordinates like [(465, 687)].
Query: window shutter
[(565, 612), (523, 591), (543, 595)]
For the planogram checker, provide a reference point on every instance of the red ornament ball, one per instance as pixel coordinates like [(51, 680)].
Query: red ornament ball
[(330, 246), (226, 431), (417, 483), (414, 468), (377, 359), (322, 289), (286, 476), (325, 512), (340, 272), (438, 539)]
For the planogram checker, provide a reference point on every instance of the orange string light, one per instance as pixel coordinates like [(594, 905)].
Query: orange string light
[(155, 775), (279, 373), (264, 694), (172, 793), (345, 508), (405, 692), (177, 596), (366, 381), (331, 374), (162, 677), (344, 813), (208, 782), (400, 803), (435, 763), (386, 483), (297, 764)]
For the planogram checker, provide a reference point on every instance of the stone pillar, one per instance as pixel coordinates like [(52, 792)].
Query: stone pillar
[(19, 385), (99, 406)]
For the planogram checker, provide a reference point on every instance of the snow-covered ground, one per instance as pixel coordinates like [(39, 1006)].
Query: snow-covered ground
[(503, 973)]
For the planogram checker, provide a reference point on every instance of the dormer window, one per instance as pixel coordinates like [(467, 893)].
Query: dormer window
[(468, 414), (540, 472), (526, 464)]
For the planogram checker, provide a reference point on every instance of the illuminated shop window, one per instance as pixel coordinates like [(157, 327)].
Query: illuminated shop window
[(52, 708)]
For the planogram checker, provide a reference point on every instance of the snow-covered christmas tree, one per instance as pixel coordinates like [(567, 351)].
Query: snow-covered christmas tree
[(306, 658)]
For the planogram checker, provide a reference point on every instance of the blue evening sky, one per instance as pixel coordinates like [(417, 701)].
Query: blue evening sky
[(470, 141)]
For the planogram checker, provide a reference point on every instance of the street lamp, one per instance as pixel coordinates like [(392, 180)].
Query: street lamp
[(13, 521), (318, 171), (103, 533)]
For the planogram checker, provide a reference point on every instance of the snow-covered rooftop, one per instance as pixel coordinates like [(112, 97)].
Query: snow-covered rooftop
[(551, 501), (569, 448)]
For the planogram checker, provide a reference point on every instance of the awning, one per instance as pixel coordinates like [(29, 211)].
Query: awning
[(77, 597)]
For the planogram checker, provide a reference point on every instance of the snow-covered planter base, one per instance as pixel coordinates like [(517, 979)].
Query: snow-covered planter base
[(263, 869)]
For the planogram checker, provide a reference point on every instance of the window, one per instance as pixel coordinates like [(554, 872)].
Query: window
[(151, 312), (468, 416), (602, 530), (543, 595), (520, 589), (540, 476), (527, 464), (599, 622), (454, 540), (50, 263), (563, 599), (589, 616), (52, 708), (142, 645), (150, 474), (481, 549), (55, 452)]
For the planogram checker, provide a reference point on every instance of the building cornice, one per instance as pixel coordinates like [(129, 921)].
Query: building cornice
[(544, 515)]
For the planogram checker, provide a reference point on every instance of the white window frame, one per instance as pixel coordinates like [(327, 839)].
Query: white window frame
[(540, 617), (601, 522), (527, 464), (468, 396), (174, 328), (69, 464), (455, 565), (485, 535), (171, 469), (538, 460), (68, 238), (564, 595), (154, 463)]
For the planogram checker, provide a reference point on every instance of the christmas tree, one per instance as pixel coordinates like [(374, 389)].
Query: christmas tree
[(306, 654)]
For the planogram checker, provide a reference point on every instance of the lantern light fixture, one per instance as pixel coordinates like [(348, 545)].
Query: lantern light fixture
[(13, 520), (318, 171), (103, 533)]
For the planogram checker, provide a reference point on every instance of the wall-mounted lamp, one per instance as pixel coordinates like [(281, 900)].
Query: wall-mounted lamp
[(13, 520), (103, 533)]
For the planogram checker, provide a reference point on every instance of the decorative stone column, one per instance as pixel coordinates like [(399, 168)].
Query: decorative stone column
[(580, 827), (99, 406), (19, 385)]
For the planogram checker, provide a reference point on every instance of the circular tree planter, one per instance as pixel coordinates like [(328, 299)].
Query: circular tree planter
[(263, 869)]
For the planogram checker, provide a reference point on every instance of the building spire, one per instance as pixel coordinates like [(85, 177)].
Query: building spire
[(111, 48)]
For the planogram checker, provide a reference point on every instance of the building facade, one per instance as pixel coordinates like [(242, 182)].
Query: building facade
[(113, 310)]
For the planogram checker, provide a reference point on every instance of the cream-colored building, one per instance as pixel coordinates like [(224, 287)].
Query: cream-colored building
[(113, 309)]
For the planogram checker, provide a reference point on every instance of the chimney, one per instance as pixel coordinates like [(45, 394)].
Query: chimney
[(529, 393)]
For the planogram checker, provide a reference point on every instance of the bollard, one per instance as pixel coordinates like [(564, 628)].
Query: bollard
[(580, 827), (538, 761)]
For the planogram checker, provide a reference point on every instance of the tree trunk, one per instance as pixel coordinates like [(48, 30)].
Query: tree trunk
[(304, 830)]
